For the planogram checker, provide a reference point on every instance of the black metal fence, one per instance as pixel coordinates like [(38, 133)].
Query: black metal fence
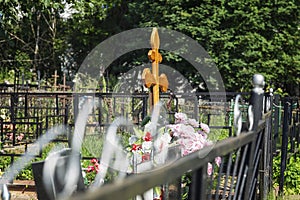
[(244, 173), (246, 166), (286, 118), (24, 116)]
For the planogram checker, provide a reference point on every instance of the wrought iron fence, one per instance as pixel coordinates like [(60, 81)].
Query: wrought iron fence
[(244, 173), (290, 133), (246, 166), (239, 176), (32, 113)]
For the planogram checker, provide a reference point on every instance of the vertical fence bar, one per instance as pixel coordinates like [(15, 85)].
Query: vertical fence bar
[(227, 175), (66, 117), (13, 110), (236, 163), (219, 179), (198, 184), (1, 129), (270, 145), (75, 105), (265, 169), (26, 105), (284, 146), (291, 127), (57, 104), (145, 105), (275, 122), (297, 124)]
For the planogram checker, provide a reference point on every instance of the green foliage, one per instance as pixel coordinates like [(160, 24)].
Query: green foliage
[(291, 174), (31, 35), (26, 173), (242, 37), (5, 161)]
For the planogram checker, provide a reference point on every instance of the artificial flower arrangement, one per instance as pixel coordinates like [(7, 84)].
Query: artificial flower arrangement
[(90, 172), (146, 149), (187, 133)]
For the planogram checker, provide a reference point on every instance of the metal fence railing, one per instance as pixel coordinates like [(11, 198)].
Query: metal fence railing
[(239, 176), (244, 173), (247, 158)]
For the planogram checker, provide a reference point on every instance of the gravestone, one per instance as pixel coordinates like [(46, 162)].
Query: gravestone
[(58, 183)]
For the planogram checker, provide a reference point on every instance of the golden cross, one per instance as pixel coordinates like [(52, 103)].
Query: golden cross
[(153, 80)]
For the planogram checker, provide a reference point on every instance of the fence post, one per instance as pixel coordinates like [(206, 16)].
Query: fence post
[(256, 102)]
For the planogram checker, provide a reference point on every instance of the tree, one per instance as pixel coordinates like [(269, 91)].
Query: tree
[(31, 34), (89, 25), (242, 37)]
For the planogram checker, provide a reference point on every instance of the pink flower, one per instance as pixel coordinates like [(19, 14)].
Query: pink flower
[(193, 123), (205, 128), (203, 134), (218, 161), (181, 130), (209, 169), (20, 137), (192, 143), (175, 129), (181, 118)]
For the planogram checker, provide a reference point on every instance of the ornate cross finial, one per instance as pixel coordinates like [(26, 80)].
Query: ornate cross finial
[(153, 80)]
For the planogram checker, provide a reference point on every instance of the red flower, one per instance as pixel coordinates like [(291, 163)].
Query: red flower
[(147, 137), (145, 156), (136, 147), (90, 168), (94, 161), (97, 167)]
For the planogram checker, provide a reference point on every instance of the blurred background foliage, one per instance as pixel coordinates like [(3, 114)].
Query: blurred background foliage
[(242, 37)]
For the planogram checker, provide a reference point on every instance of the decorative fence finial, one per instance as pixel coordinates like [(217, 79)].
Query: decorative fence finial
[(153, 80), (256, 100), (258, 82)]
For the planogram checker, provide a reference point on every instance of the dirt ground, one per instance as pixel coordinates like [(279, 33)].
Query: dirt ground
[(22, 190), (19, 195), (25, 190)]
